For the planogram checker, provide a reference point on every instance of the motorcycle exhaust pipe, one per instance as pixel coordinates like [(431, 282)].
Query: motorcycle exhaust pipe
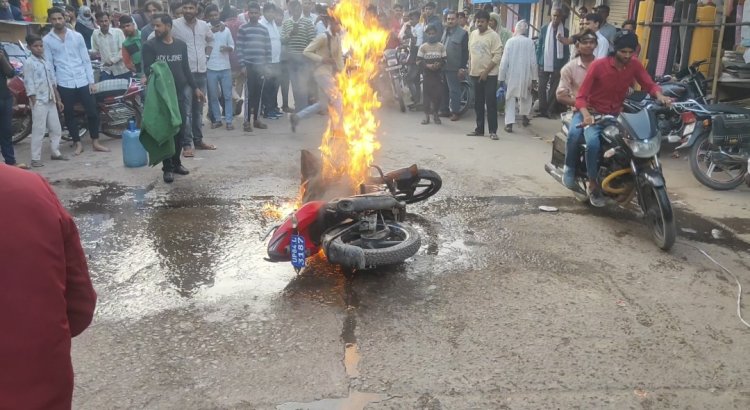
[(554, 171)]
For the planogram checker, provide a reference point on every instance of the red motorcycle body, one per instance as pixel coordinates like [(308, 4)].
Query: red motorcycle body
[(305, 222)]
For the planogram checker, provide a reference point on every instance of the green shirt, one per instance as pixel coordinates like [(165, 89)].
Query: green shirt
[(132, 46)]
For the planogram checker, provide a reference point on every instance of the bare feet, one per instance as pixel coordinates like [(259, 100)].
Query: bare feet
[(99, 147), (78, 148)]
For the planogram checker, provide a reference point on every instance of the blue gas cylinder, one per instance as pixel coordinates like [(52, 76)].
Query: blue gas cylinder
[(133, 153)]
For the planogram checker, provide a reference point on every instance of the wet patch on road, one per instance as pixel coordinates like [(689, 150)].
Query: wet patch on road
[(156, 251), (151, 251)]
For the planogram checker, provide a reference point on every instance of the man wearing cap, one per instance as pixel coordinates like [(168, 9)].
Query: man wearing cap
[(602, 92)]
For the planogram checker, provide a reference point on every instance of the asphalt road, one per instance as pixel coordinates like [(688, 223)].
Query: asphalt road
[(504, 306)]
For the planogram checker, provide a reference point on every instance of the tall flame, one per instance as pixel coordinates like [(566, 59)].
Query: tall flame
[(350, 141)]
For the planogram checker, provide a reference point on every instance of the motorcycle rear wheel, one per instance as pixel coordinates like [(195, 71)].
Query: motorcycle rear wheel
[(21, 128), (698, 153), (401, 243), (659, 216), (465, 98)]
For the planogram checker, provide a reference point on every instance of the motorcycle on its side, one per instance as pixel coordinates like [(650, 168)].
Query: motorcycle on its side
[(361, 231), (718, 139), (628, 166)]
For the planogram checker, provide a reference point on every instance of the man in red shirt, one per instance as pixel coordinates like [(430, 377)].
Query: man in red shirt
[(602, 92), (46, 295)]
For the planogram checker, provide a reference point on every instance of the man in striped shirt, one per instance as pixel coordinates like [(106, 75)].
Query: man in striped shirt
[(254, 53), (297, 33)]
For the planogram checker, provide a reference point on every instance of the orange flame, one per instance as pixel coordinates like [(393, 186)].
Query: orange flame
[(350, 141)]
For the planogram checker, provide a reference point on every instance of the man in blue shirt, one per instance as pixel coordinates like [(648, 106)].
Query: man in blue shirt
[(66, 50)]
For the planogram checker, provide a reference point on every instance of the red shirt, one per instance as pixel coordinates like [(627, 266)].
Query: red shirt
[(46, 295), (605, 87)]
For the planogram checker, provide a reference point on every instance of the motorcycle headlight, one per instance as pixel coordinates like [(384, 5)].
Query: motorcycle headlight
[(611, 132), (644, 148)]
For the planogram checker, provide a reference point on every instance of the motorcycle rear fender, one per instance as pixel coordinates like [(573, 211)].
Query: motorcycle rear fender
[(340, 253), (697, 132)]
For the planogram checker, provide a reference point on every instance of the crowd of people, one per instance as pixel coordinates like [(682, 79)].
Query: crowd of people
[(240, 61)]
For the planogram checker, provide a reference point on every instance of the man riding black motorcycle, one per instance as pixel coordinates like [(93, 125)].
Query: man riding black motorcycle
[(603, 92)]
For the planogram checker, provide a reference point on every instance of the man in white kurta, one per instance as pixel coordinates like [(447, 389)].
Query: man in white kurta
[(517, 70)]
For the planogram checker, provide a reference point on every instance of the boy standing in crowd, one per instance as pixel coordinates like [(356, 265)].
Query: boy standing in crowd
[(431, 58), (41, 87)]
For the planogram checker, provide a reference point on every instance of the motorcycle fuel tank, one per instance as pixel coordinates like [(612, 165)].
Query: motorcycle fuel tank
[(674, 90)]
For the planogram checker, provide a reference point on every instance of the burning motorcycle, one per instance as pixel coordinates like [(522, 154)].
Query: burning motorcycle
[(718, 137), (629, 166), (361, 231)]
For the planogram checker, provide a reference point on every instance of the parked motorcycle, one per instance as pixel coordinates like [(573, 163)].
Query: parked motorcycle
[(628, 166), (394, 68), (360, 231), (117, 102), (690, 84), (718, 137)]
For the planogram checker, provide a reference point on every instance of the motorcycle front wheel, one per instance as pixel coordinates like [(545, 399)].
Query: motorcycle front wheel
[(659, 216), (708, 172), (394, 243), (398, 91), (428, 184)]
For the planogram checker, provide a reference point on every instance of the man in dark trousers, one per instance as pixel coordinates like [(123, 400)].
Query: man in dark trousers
[(46, 295), (456, 41), (254, 53), (164, 47), (66, 50), (551, 55)]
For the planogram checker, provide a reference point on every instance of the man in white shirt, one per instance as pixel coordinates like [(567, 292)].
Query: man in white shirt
[(107, 41), (219, 73), (269, 99), (412, 32), (593, 21), (66, 50)]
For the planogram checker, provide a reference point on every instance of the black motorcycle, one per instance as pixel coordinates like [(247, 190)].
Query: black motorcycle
[(628, 166), (689, 84), (395, 70), (718, 137)]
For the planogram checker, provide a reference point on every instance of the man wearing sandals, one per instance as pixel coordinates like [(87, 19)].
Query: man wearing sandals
[(485, 51)]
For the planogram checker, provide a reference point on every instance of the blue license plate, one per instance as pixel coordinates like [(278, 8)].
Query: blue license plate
[(298, 251)]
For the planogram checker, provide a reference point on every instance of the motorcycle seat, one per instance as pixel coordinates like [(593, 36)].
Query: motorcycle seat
[(115, 86), (727, 109)]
